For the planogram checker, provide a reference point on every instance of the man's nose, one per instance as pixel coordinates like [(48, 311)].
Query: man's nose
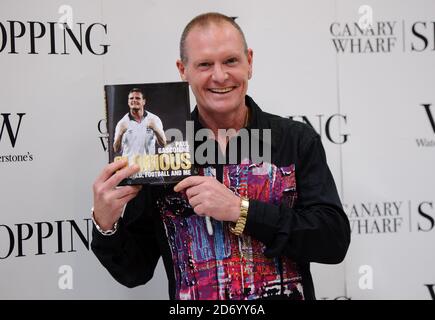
[(219, 73)]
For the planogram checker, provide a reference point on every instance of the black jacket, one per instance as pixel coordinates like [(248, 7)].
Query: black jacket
[(312, 227)]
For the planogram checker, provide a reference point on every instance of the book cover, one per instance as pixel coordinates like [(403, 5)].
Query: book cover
[(139, 117)]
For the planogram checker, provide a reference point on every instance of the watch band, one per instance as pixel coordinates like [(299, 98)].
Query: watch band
[(100, 230), (241, 222)]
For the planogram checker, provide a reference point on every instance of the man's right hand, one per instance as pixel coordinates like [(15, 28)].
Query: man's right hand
[(109, 200)]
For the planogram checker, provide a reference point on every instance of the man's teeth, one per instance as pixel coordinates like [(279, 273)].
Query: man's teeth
[(221, 90)]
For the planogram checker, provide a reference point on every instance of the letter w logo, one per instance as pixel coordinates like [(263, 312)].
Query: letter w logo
[(431, 290), (6, 123), (429, 114)]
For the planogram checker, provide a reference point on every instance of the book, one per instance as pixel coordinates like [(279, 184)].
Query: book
[(138, 119)]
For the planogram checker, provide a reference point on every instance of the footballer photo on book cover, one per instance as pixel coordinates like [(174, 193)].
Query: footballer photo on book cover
[(147, 126)]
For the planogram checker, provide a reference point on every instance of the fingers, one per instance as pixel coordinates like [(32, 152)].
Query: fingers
[(126, 191), (199, 206), (189, 182), (108, 204), (195, 201), (199, 210), (109, 170), (123, 201), (193, 191), (120, 175), (108, 200)]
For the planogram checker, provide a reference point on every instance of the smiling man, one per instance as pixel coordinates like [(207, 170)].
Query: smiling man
[(236, 231), (217, 64)]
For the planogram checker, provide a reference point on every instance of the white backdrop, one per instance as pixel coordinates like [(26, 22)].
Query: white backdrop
[(363, 90)]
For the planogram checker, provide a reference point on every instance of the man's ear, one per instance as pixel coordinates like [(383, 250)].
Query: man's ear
[(250, 61), (181, 69)]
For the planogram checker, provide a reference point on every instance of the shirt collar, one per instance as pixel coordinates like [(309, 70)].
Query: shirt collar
[(254, 111), (145, 113)]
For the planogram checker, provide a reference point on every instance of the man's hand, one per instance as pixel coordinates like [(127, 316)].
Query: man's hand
[(209, 197), (110, 199)]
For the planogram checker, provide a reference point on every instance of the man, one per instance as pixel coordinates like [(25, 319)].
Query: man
[(136, 133), (269, 220)]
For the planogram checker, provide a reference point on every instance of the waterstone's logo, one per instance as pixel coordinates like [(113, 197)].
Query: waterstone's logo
[(426, 141), (10, 126)]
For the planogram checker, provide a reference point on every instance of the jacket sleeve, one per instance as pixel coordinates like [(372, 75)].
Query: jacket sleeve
[(316, 229), (132, 253)]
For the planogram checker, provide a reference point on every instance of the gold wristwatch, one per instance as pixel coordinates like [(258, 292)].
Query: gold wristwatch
[(241, 222)]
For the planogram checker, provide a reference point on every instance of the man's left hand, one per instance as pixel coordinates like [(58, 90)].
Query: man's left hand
[(209, 197)]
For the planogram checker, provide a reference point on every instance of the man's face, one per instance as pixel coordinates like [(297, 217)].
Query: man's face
[(217, 67), (136, 103)]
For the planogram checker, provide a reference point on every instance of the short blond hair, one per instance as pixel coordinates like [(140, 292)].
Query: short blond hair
[(204, 20)]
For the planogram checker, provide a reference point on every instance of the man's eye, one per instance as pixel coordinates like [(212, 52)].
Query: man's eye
[(231, 61), (204, 65)]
